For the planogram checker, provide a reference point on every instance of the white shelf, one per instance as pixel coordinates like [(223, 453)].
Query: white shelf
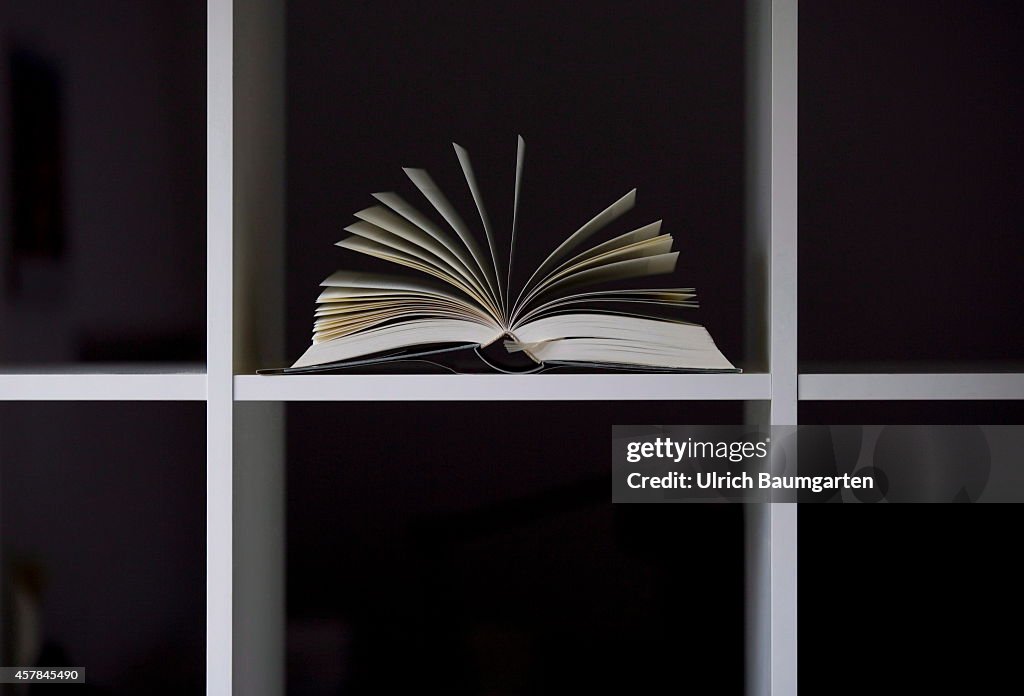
[(911, 386), (187, 382), (583, 387), (144, 382)]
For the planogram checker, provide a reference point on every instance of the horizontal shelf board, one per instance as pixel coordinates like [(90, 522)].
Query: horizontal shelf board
[(101, 382), (936, 386), (586, 387), (911, 367)]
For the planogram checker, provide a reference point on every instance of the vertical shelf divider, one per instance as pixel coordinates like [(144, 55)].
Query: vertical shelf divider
[(771, 543), (783, 339), (219, 332)]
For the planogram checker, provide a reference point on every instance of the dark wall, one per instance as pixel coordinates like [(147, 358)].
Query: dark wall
[(911, 115), (102, 180), (476, 544), (908, 597), (102, 538)]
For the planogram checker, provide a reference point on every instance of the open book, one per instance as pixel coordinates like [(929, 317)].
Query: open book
[(462, 298)]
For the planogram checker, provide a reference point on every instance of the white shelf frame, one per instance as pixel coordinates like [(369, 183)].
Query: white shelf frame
[(639, 387), (237, 30), (104, 383), (935, 386), (189, 383)]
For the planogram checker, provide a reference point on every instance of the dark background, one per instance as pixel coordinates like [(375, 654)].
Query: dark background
[(908, 597), (471, 548), (911, 122), (102, 181), (103, 542)]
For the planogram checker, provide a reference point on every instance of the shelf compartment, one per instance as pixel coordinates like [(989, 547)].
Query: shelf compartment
[(584, 387), (102, 520), (102, 189), (923, 261), (152, 382), (687, 163), (495, 537)]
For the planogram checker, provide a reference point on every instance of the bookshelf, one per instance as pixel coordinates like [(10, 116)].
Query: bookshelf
[(245, 319)]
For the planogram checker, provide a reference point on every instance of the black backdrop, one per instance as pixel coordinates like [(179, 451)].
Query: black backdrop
[(911, 116)]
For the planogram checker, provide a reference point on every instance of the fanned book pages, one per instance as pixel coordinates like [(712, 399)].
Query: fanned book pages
[(461, 302)]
